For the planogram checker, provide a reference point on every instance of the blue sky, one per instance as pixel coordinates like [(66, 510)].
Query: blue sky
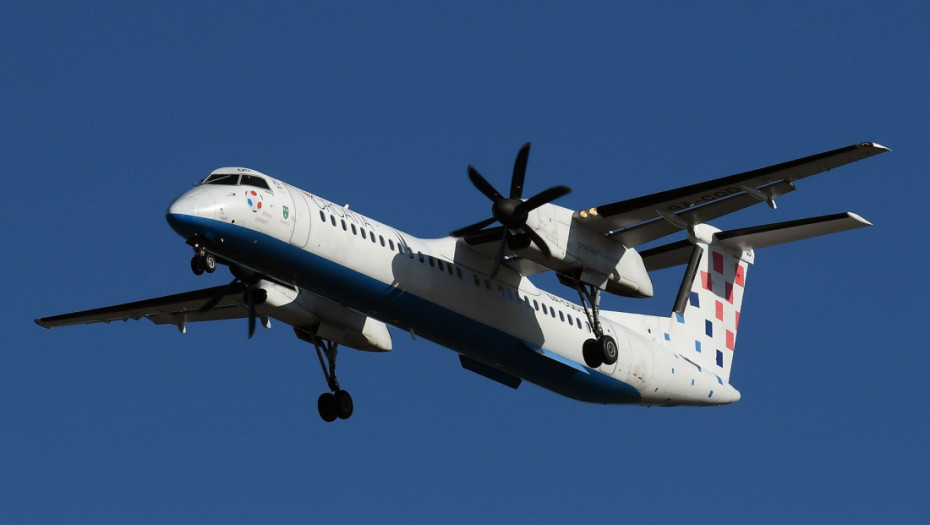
[(111, 109)]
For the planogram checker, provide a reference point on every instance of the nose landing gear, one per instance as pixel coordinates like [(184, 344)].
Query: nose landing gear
[(202, 261)]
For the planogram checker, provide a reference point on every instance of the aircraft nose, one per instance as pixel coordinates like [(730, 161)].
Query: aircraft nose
[(185, 209)]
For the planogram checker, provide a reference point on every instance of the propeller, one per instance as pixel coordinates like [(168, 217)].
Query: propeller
[(511, 212), (250, 299)]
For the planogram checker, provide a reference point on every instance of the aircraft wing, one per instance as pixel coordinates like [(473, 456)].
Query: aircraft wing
[(174, 309), (301, 309), (637, 221)]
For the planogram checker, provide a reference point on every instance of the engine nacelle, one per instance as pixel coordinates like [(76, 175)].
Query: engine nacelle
[(591, 256), (324, 317)]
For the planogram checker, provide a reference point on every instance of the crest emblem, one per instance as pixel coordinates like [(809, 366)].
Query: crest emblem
[(286, 212)]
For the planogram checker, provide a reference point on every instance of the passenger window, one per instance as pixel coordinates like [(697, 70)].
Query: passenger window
[(561, 316), (441, 267), (343, 221), (322, 215), (381, 238), (332, 219), (391, 242), (363, 233), (449, 268), (544, 309), (420, 254), (354, 231), (432, 262), (552, 312), (535, 305), (372, 235), (458, 272), (477, 280)]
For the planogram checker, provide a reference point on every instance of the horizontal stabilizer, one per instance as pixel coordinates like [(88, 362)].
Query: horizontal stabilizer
[(780, 233), (756, 237)]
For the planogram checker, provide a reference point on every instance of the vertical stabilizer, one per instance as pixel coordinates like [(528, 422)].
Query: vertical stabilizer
[(705, 319)]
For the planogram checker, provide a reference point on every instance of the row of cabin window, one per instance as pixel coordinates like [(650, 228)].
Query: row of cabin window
[(447, 266), (505, 293), (361, 231), (434, 263)]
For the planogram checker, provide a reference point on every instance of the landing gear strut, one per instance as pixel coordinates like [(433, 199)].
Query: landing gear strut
[(336, 403), (602, 349)]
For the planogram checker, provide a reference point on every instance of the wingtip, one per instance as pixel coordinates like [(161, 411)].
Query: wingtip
[(875, 145), (858, 218)]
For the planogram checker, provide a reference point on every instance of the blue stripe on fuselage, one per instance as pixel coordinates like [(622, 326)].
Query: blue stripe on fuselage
[(404, 310)]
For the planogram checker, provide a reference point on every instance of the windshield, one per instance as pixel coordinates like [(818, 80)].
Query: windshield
[(220, 178), (234, 179)]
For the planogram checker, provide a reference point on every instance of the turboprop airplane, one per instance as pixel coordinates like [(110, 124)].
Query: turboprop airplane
[(339, 278)]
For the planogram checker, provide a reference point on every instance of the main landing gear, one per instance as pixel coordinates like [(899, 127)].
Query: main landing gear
[(336, 403), (602, 349)]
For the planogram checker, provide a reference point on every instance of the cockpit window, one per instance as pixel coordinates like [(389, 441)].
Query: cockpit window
[(252, 180), (228, 179), (234, 179)]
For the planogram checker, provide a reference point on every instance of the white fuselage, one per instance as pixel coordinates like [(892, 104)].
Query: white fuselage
[(441, 290)]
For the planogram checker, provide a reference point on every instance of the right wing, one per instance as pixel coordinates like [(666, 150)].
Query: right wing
[(636, 221)]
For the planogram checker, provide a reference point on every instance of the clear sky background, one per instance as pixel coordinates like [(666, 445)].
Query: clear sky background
[(112, 109)]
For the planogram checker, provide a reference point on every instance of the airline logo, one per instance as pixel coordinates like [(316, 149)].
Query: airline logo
[(255, 201)]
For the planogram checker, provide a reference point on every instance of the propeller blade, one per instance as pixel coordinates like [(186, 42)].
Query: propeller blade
[(474, 228), (543, 247), (483, 185), (251, 303), (545, 197), (519, 172), (485, 236), (213, 302)]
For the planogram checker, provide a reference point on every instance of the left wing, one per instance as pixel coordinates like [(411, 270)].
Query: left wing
[(301, 309), (636, 221), (176, 309)]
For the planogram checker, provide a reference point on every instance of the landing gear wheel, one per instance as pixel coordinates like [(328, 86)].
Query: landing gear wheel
[(344, 404), (608, 349), (593, 357), (326, 404), (198, 265), (209, 263)]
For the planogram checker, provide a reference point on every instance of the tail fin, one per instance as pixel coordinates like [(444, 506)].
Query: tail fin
[(705, 318), (706, 315)]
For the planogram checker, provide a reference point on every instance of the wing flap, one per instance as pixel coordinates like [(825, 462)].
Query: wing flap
[(623, 214)]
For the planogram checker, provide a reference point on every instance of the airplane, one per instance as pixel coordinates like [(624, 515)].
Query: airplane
[(339, 278)]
